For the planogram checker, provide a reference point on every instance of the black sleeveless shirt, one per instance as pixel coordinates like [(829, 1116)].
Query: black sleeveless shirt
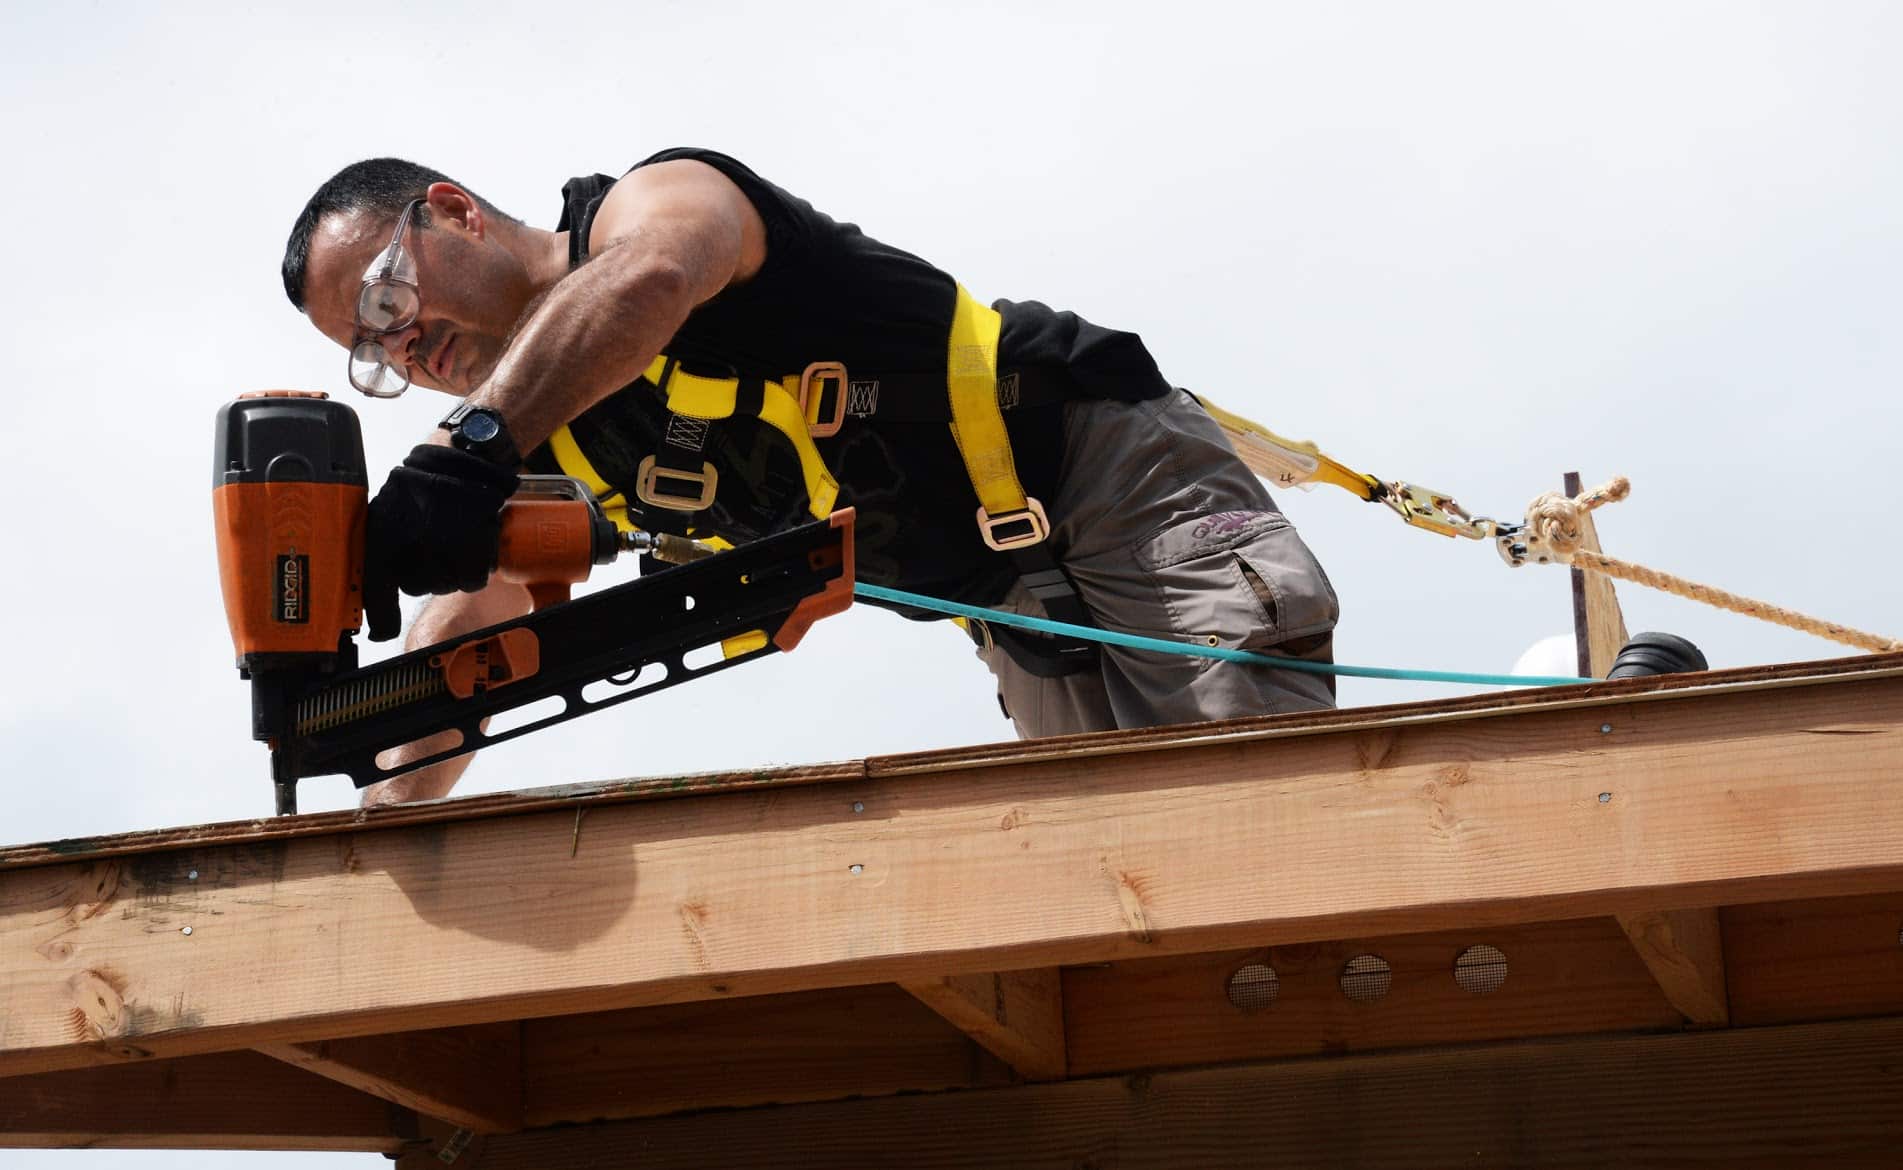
[(829, 292)]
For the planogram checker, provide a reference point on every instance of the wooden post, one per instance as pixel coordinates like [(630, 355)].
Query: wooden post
[(1598, 625), (1684, 949)]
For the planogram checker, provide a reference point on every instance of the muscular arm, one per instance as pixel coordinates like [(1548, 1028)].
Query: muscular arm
[(445, 617), (666, 238)]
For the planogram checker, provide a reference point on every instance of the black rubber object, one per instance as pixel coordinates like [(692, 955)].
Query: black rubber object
[(1655, 653)]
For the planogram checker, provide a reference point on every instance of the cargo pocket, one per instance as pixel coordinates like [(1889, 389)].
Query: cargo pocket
[(1243, 579), (1299, 606)]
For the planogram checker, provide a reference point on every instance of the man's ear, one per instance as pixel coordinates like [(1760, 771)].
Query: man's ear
[(449, 203)]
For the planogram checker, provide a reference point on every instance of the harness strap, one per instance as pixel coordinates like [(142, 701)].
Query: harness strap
[(1007, 518), (1043, 655), (1010, 521), (679, 479), (697, 401)]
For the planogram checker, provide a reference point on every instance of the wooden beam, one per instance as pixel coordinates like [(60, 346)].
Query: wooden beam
[(226, 1101), (1018, 1016), (470, 1077), (1684, 949), (1831, 958), (1598, 623), (1821, 1094), (567, 798), (1688, 799), (1552, 979), (768, 1049)]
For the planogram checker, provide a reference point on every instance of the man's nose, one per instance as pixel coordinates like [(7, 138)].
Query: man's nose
[(401, 344)]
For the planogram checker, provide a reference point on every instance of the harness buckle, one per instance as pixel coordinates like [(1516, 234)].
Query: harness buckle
[(813, 391), (656, 486), (1019, 528)]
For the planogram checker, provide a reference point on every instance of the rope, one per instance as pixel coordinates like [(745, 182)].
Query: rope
[(1199, 650), (1553, 520)]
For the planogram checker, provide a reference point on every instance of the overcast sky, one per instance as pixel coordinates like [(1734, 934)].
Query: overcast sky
[(1471, 245)]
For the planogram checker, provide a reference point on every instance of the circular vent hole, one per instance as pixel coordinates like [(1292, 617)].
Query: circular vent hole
[(1253, 987), (1366, 978), (1480, 969)]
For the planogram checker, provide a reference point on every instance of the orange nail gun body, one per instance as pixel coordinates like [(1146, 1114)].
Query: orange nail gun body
[(290, 494)]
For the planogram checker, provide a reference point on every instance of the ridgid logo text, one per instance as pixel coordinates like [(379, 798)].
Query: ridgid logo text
[(293, 585)]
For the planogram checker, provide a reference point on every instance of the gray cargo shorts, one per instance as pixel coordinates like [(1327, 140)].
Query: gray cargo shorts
[(1165, 533)]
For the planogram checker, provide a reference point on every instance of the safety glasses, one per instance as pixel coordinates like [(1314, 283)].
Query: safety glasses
[(388, 302)]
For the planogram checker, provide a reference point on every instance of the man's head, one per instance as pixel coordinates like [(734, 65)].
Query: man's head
[(469, 268)]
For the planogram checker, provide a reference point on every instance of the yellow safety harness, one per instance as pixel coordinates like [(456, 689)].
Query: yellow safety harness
[(679, 479), (811, 405), (664, 482)]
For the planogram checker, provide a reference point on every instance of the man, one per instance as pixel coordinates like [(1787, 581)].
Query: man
[(1001, 455)]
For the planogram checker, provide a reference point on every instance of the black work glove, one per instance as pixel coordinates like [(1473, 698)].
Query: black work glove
[(433, 528)]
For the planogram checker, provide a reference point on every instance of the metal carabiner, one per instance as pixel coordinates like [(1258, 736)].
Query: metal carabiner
[(1435, 511)]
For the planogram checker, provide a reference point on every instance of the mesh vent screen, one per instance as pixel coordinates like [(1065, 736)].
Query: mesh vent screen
[(1366, 978), (1253, 987), (1480, 969)]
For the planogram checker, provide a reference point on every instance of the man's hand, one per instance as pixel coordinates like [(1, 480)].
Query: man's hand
[(434, 528)]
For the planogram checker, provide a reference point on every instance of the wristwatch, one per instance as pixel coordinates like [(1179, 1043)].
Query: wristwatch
[(481, 431)]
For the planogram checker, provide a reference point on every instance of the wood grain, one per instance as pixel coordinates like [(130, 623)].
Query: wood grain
[(257, 831), (470, 1077), (1017, 1016), (1559, 978), (1599, 624), (1812, 1095), (1695, 800), (1684, 949), (807, 1046), (1815, 960), (233, 1100)]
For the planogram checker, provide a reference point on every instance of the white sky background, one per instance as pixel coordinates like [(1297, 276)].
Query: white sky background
[(1471, 245)]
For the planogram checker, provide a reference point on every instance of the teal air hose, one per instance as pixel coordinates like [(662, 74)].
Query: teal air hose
[(1196, 650)]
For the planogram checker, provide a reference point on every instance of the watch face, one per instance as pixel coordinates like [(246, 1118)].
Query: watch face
[(480, 427)]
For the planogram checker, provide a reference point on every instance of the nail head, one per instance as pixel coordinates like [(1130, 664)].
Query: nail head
[(184, 930), (858, 806), (857, 868), (1605, 728), (192, 875), (1605, 798)]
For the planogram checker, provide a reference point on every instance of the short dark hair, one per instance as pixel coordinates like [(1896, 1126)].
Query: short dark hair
[(383, 186)]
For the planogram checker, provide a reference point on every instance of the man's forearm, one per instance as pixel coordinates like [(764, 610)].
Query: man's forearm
[(424, 783), (444, 618), (596, 331)]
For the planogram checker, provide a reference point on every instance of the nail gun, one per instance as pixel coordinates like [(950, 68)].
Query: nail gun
[(289, 497)]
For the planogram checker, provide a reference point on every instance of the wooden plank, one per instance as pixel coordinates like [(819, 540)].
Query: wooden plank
[(233, 1100), (1814, 1095), (470, 1077), (1018, 1016), (1598, 623), (1539, 815), (806, 1046), (1815, 960), (1395, 716), (1684, 949), (255, 831), (1553, 979), (583, 796)]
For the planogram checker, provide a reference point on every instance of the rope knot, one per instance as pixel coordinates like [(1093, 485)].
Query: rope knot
[(1554, 518), (1555, 532)]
